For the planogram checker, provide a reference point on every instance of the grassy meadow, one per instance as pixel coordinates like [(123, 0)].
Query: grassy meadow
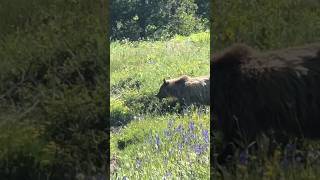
[(149, 138)]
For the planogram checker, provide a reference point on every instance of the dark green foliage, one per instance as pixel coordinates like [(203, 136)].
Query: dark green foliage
[(54, 78), (20, 166), (155, 19), (151, 104), (264, 24)]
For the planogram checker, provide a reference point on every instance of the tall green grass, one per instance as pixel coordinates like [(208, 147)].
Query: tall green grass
[(153, 141)]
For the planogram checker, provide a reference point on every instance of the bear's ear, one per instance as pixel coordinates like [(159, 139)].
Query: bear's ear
[(235, 55), (165, 81)]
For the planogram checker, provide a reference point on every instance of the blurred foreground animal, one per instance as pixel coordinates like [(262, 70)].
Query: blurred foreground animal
[(276, 91), (187, 90)]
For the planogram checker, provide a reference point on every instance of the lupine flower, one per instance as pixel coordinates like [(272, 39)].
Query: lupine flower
[(157, 141), (138, 163), (179, 146), (290, 151), (290, 147), (205, 134), (166, 175), (185, 139), (179, 128), (125, 178), (150, 137), (193, 136), (205, 147), (170, 123), (166, 133), (199, 112), (243, 158), (198, 149), (191, 126)]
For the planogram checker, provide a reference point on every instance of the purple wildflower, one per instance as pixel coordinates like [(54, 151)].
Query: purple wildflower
[(193, 136), (179, 146), (185, 139), (179, 128), (138, 163), (205, 134), (205, 147), (198, 149), (243, 158), (191, 126), (166, 133), (150, 137), (290, 147), (170, 124), (199, 112), (290, 151), (157, 141), (166, 175)]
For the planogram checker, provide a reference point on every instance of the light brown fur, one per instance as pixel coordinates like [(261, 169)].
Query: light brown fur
[(187, 90)]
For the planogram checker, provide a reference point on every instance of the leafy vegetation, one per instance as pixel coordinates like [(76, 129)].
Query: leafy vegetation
[(53, 91), (149, 138), (265, 24), (157, 19)]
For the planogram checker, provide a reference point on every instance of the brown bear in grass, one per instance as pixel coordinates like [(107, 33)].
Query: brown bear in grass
[(276, 91), (187, 90)]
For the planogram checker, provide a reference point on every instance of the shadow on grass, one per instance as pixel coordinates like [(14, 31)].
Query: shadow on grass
[(135, 108), (147, 105)]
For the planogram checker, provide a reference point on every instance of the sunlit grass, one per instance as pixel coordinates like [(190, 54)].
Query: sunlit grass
[(155, 143)]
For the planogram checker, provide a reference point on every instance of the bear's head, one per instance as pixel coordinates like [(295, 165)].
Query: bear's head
[(172, 88), (232, 57), (164, 90)]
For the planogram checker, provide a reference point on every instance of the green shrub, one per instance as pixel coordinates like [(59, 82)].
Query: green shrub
[(136, 20), (119, 112)]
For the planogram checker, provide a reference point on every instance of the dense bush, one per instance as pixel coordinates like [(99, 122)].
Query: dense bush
[(53, 78), (156, 19), (265, 24)]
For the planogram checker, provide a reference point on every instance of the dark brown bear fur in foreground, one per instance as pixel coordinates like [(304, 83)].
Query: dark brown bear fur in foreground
[(277, 91), (187, 90)]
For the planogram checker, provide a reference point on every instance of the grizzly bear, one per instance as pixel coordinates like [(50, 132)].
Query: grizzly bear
[(187, 90), (260, 92)]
